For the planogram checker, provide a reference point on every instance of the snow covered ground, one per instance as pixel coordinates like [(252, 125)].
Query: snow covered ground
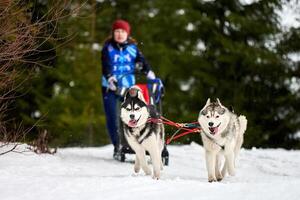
[(91, 173)]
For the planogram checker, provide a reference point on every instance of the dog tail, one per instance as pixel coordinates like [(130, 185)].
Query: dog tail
[(243, 124)]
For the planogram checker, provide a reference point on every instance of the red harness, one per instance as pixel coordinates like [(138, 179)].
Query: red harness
[(186, 127)]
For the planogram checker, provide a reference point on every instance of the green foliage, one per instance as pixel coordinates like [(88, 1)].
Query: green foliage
[(200, 49), (74, 110)]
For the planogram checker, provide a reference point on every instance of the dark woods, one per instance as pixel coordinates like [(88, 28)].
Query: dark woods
[(50, 66)]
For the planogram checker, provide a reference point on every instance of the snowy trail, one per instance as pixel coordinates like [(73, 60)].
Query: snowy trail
[(91, 173)]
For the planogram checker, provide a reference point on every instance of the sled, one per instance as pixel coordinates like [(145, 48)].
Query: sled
[(153, 92)]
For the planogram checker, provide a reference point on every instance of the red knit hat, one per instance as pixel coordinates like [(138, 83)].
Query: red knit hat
[(121, 24)]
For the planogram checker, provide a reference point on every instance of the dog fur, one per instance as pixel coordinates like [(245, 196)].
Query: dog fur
[(222, 134), (141, 134)]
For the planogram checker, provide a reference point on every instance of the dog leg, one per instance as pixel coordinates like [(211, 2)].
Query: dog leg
[(210, 165), (224, 170), (238, 145), (154, 155), (143, 162), (140, 154), (161, 147), (230, 163), (156, 161), (240, 135), (137, 165), (160, 138), (161, 165), (219, 175)]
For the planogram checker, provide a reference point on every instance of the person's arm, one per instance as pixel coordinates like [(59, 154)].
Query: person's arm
[(145, 65), (106, 63), (141, 59), (106, 69)]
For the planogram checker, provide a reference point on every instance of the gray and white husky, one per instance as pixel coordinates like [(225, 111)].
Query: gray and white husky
[(141, 134), (222, 133)]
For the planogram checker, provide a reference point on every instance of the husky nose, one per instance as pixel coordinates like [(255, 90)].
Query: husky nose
[(131, 116), (210, 123)]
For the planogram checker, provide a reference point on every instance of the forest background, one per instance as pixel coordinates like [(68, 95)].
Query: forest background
[(235, 50)]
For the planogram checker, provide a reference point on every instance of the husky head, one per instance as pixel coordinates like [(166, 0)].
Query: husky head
[(134, 111), (214, 118)]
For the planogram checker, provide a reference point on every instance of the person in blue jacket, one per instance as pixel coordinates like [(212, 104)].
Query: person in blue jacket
[(119, 57)]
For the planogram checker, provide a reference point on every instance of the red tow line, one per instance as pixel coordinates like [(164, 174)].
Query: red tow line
[(188, 128)]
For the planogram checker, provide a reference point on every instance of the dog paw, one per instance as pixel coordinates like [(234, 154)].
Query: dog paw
[(134, 174), (231, 173), (137, 169), (219, 177), (212, 179), (156, 175)]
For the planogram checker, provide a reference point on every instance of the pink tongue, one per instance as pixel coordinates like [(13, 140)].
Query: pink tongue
[(132, 123), (213, 130)]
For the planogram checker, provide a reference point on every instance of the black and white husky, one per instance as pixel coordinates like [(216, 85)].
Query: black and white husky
[(141, 134), (222, 133)]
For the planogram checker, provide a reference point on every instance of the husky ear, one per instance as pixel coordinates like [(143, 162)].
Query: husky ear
[(219, 102), (126, 96), (231, 109), (207, 102), (223, 108), (141, 96), (204, 110), (133, 92)]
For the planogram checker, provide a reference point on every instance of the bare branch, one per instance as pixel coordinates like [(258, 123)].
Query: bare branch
[(22, 39)]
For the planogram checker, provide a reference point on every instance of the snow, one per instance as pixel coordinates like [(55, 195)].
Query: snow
[(91, 173), (96, 46), (290, 15), (248, 2)]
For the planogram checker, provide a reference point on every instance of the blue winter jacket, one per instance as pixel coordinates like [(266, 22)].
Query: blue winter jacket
[(119, 60)]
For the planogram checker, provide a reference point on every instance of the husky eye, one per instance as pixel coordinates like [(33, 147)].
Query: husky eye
[(217, 116), (222, 111), (137, 108), (128, 109), (207, 116)]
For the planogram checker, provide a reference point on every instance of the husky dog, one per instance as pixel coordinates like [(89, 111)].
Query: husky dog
[(141, 134), (222, 133)]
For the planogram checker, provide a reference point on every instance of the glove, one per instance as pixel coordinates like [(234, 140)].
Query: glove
[(151, 75), (112, 83)]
